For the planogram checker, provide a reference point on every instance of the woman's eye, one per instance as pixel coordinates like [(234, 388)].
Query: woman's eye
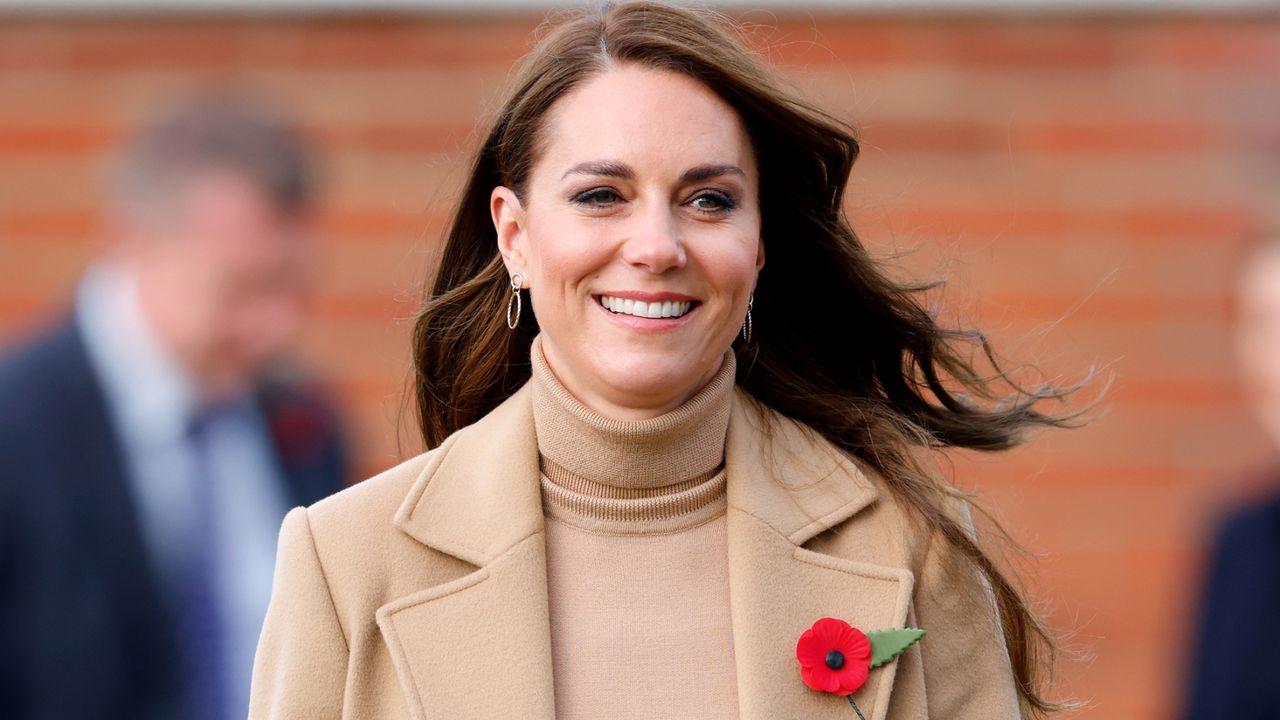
[(597, 197), (711, 201)]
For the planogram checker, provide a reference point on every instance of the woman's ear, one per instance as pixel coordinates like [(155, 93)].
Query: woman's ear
[(509, 223)]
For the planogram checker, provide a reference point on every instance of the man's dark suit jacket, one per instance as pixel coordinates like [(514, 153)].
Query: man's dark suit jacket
[(84, 630), (1236, 658)]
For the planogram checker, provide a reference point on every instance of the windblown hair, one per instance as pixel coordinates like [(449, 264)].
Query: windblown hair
[(882, 381)]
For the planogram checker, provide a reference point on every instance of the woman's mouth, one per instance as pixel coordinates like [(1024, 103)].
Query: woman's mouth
[(639, 308)]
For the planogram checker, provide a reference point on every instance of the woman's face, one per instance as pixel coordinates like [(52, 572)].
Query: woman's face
[(638, 237)]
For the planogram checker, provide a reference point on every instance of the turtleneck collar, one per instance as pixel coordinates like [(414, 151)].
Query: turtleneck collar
[(630, 458)]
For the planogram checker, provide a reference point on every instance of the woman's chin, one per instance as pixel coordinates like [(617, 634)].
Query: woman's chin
[(653, 388), (633, 378)]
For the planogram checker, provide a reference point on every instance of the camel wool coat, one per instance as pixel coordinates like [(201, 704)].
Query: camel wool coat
[(421, 593)]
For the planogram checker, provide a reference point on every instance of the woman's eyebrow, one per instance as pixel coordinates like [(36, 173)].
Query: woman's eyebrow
[(608, 168), (706, 172), (612, 168)]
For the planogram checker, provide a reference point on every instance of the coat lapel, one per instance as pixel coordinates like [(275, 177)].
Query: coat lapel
[(480, 645), (785, 487)]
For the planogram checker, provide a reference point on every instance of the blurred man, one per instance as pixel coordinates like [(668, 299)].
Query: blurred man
[(150, 445), (1236, 661)]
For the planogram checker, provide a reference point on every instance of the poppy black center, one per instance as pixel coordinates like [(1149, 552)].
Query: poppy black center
[(835, 659)]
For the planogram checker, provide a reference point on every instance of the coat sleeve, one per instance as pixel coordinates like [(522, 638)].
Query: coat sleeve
[(301, 665), (967, 671)]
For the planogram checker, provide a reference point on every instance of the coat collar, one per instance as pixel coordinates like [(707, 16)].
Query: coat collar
[(482, 497), (479, 500)]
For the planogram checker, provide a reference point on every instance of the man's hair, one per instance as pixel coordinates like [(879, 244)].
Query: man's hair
[(215, 133)]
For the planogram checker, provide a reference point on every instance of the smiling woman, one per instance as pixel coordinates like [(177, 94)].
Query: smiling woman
[(639, 497)]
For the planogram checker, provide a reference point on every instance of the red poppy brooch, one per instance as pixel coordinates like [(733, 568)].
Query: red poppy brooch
[(835, 657)]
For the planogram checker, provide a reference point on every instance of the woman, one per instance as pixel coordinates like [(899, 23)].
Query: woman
[(657, 460)]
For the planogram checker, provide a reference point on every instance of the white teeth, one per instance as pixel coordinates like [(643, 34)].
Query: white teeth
[(640, 308)]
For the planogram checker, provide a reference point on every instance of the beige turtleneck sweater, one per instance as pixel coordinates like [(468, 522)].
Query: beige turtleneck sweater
[(637, 567)]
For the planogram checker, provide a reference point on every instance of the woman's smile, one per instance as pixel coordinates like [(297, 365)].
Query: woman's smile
[(652, 309), (646, 311)]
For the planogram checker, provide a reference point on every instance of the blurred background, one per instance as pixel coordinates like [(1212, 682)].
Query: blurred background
[(1089, 177)]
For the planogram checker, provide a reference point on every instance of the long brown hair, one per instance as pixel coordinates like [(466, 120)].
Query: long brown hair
[(880, 380)]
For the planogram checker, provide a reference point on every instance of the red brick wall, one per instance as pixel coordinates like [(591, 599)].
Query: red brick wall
[(1085, 181)]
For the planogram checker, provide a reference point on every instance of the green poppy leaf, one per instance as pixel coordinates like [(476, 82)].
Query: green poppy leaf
[(889, 644)]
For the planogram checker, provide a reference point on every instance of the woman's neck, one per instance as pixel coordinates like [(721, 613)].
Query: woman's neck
[(674, 447)]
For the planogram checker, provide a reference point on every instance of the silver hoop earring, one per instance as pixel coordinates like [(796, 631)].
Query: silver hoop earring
[(514, 301), (746, 324)]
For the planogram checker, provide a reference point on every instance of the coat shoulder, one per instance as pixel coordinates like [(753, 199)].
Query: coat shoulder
[(885, 529), (43, 380), (364, 514), (366, 559), (813, 492)]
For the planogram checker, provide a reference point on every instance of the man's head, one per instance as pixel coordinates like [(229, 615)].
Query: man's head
[(211, 207), (1257, 332)]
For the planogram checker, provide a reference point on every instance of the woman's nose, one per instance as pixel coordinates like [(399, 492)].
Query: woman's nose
[(654, 242)]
